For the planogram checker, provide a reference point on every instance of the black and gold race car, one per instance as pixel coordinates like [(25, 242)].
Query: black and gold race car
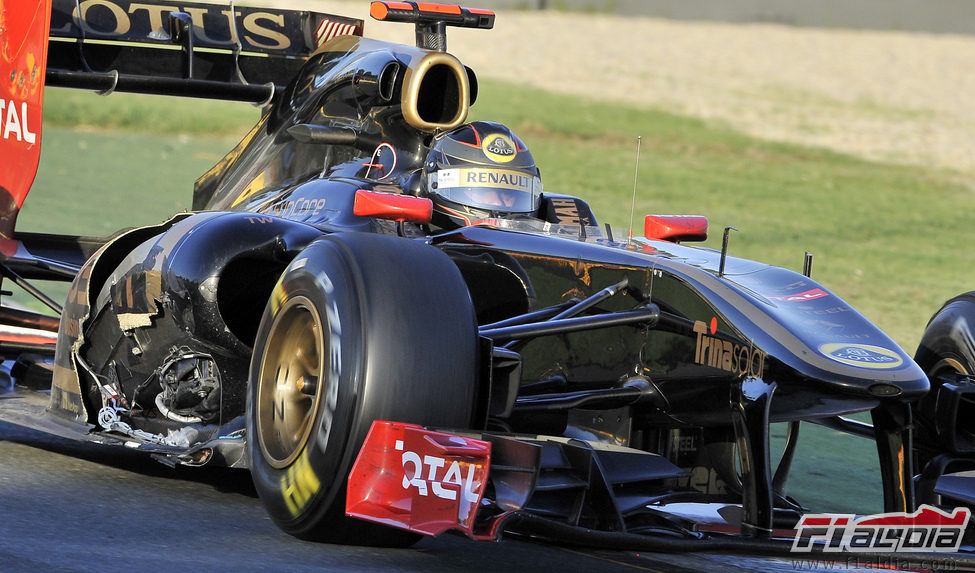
[(376, 307)]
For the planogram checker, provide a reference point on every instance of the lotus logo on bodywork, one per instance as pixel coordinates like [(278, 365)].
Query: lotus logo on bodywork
[(862, 355)]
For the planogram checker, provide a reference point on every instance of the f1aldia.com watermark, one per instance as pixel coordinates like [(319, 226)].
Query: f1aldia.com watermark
[(928, 529), (891, 561), (880, 541)]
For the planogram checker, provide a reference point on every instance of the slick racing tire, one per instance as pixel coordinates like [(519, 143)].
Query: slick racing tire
[(948, 342), (359, 328), (947, 346)]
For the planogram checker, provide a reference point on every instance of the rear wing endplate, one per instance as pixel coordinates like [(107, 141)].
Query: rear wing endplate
[(214, 51), (22, 54)]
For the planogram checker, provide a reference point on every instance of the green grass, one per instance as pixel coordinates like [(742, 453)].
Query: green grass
[(832, 471), (93, 183), (125, 160), (891, 240), (147, 113)]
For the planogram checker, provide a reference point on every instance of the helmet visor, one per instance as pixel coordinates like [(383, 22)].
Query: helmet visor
[(488, 188)]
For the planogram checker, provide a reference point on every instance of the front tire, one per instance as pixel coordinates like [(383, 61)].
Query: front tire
[(947, 347), (948, 343), (359, 328)]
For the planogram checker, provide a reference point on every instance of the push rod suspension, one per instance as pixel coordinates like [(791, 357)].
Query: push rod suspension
[(647, 314)]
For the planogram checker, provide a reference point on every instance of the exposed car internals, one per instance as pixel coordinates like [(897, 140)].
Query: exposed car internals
[(377, 308)]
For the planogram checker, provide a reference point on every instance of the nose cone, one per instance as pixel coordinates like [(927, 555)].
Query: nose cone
[(875, 371), (913, 384)]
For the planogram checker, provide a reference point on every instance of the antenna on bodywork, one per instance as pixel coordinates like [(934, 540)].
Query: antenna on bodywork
[(431, 20), (636, 176), (724, 249)]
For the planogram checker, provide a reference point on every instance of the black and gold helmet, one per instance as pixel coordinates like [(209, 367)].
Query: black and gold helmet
[(478, 171)]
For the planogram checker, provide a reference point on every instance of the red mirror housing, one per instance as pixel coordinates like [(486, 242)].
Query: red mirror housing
[(392, 206), (676, 228)]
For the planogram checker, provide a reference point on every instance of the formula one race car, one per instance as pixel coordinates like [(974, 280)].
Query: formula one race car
[(377, 309)]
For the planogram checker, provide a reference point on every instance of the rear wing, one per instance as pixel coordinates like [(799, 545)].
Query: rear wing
[(215, 51)]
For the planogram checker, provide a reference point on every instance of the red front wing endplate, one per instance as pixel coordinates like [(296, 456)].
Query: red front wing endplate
[(421, 480)]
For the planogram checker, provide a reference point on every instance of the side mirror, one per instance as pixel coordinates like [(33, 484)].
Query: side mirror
[(676, 228), (392, 206)]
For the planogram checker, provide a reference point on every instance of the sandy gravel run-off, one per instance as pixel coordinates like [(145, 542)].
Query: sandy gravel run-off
[(891, 96)]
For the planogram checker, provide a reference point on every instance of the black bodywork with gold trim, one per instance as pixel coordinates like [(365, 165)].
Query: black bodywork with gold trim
[(679, 356)]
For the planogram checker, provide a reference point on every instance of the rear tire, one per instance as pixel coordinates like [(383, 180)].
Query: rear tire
[(359, 328)]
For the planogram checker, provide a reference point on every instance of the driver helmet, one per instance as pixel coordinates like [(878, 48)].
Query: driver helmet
[(480, 170)]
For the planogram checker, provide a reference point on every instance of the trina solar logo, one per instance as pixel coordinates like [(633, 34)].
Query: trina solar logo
[(927, 529), (726, 355)]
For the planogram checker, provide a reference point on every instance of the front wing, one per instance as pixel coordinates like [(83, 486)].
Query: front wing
[(574, 491), (430, 481)]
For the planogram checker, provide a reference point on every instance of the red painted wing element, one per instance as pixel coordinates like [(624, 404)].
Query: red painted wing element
[(23, 55), (417, 479)]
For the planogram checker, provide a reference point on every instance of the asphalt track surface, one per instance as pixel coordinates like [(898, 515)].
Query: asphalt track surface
[(76, 507)]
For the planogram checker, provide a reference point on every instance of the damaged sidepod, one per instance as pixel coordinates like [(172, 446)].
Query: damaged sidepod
[(163, 342)]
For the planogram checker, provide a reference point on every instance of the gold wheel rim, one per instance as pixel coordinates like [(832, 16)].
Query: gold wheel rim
[(948, 364), (290, 384)]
